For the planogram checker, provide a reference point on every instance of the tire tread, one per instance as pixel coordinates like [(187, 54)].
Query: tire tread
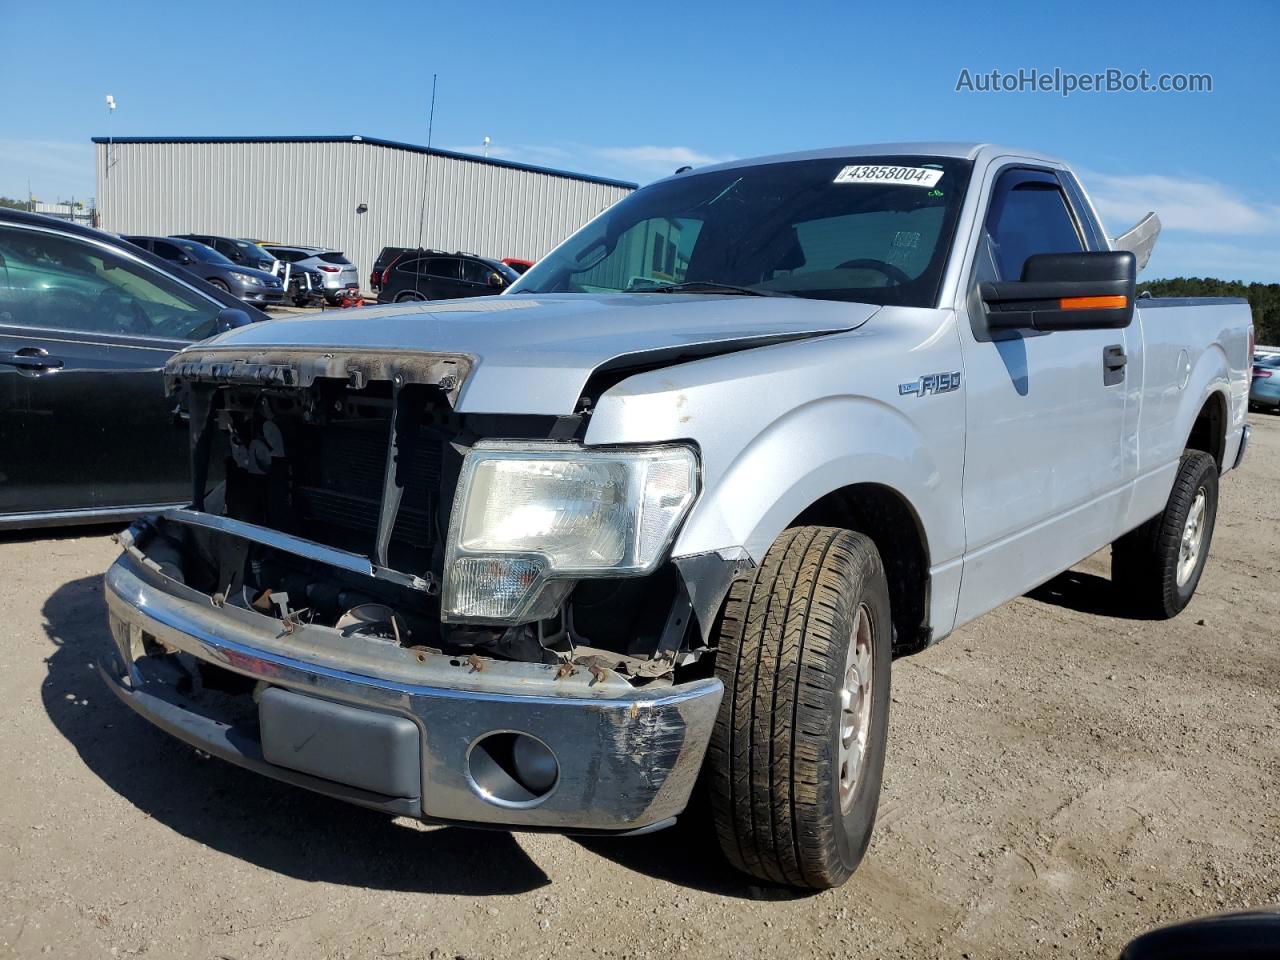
[(780, 660)]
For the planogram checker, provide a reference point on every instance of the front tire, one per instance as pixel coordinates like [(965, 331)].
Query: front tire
[(797, 753), (1157, 567)]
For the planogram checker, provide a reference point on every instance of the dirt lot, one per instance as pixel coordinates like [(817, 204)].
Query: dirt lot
[(1059, 778)]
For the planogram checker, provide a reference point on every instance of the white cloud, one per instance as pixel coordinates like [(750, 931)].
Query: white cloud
[(1199, 206), (641, 163), (56, 169), (658, 161)]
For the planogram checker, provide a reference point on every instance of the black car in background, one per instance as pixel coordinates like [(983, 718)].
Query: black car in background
[(87, 322), (243, 283), (434, 275), (244, 253)]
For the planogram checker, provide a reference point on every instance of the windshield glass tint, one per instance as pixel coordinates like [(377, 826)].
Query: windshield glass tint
[(251, 251), (875, 230), (198, 251)]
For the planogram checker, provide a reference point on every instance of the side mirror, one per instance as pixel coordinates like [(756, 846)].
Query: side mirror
[(497, 280), (229, 318), (185, 260), (1065, 291)]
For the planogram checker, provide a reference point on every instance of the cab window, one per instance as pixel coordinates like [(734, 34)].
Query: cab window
[(443, 267), (1029, 214), (476, 272)]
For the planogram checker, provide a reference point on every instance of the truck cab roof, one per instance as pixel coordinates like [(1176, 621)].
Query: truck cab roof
[(962, 150)]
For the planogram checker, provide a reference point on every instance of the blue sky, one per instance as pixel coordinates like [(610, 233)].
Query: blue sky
[(635, 90)]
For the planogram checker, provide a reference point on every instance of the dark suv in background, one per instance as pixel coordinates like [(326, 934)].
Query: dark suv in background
[(244, 283), (386, 257), (435, 275)]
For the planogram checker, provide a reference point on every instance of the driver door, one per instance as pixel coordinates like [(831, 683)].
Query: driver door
[(84, 334), (1047, 467)]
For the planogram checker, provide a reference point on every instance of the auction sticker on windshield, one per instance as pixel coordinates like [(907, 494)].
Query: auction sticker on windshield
[(907, 176)]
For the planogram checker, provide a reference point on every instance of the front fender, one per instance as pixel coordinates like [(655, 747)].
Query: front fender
[(802, 456), (780, 427)]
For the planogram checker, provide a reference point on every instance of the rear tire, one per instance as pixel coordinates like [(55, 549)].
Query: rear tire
[(797, 754), (410, 297), (1157, 567)]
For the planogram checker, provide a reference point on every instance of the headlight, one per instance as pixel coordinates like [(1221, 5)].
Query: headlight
[(249, 280), (529, 519)]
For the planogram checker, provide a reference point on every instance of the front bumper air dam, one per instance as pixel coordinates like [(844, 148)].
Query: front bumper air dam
[(628, 757)]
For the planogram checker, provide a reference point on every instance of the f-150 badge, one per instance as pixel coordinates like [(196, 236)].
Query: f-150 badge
[(931, 383)]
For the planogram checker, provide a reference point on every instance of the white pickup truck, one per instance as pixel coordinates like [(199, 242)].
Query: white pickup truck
[(677, 499)]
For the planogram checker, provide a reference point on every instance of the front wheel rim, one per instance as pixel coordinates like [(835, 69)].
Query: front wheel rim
[(1192, 541), (855, 707)]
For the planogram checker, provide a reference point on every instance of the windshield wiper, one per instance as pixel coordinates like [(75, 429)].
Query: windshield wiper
[(708, 286)]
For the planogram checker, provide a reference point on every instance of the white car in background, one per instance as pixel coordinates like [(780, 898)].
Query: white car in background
[(339, 273)]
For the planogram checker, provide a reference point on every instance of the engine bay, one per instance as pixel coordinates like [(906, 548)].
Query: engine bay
[(335, 511)]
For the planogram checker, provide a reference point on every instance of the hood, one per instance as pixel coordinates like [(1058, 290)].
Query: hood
[(534, 354)]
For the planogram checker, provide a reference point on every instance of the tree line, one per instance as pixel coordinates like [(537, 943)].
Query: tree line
[(1264, 298)]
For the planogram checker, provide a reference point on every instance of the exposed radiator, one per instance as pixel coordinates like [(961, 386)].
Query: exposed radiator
[(338, 485)]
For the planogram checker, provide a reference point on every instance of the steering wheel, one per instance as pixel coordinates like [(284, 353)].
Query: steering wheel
[(879, 266), (117, 304)]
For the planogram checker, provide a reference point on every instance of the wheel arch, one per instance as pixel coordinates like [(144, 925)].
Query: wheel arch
[(888, 518), (1209, 429), (849, 462)]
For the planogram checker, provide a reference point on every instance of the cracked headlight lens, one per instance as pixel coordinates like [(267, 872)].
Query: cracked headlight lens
[(530, 518)]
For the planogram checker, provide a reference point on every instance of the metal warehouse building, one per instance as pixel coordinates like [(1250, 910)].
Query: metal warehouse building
[(356, 194)]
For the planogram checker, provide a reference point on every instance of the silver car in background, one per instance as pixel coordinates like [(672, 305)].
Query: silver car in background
[(339, 273)]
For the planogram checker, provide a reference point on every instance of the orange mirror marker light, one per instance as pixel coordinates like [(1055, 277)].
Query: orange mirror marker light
[(1093, 303)]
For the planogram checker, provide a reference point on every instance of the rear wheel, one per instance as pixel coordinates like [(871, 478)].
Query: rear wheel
[(1157, 567), (409, 296), (797, 753)]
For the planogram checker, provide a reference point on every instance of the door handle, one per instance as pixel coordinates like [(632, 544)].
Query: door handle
[(31, 358), (1113, 361)]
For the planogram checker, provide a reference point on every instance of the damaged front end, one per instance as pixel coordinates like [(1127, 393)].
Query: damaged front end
[(388, 600)]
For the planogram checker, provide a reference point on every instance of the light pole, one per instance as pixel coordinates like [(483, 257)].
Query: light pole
[(486, 146), (106, 175)]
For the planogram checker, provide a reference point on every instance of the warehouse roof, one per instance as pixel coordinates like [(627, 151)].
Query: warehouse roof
[(379, 142)]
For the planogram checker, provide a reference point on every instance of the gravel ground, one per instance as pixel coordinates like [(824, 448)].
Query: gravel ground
[(1059, 778)]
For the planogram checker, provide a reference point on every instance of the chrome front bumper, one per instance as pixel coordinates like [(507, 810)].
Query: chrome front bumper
[(628, 757)]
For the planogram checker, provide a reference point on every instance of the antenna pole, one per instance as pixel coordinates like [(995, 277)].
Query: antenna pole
[(426, 167)]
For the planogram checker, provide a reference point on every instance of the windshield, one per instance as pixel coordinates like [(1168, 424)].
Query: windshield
[(870, 229), (198, 251), (251, 251), (508, 274)]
